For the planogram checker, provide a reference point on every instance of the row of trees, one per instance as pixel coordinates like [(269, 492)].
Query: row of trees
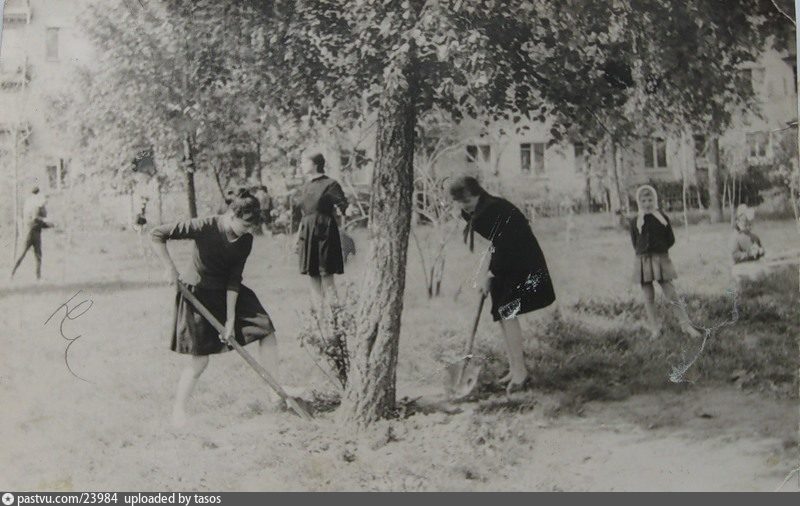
[(203, 76)]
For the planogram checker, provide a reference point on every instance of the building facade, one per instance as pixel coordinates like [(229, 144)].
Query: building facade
[(524, 164), (41, 44)]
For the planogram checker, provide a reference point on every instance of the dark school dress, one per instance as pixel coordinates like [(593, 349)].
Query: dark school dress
[(217, 264), (652, 244), (319, 244), (521, 282)]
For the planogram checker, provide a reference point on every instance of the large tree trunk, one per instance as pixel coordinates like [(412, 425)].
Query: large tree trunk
[(370, 394), (714, 199), (188, 170)]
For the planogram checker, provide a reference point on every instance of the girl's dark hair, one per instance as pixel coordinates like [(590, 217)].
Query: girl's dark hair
[(319, 162), (245, 206), (465, 186)]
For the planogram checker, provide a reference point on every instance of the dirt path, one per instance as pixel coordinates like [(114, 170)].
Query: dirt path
[(61, 433)]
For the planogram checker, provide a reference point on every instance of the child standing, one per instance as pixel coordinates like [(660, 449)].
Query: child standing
[(652, 237), (221, 247)]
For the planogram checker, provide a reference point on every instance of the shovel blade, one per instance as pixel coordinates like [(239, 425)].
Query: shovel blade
[(461, 379)]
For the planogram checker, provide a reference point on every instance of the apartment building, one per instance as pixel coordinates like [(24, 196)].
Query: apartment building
[(41, 43)]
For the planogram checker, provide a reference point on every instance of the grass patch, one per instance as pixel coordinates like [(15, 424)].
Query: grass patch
[(584, 362)]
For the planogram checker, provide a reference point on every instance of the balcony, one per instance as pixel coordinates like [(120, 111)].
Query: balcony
[(10, 131), (17, 12), (14, 73)]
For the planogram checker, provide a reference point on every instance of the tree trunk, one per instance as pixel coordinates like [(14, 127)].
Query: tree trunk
[(159, 202), (370, 394), (188, 170), (714, 200), (685, 186), (258, 167), (587, 195)]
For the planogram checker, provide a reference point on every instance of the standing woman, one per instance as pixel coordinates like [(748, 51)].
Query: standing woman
[(221, 247), (516, 274), (318, 243)]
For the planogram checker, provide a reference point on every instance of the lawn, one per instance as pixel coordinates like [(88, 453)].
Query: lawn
[(602, 402)]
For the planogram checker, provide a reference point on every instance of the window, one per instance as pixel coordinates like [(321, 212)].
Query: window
[(486, 152), (655, 153), (753, 78), (525, 157), (580, 158), (532, 157), (52, 176), (700, 148), (538, 158), (757, 145), (473, 152), (51, 44), (57, 175)]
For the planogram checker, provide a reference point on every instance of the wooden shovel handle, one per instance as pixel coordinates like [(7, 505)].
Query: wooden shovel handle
[(477, 320), (252, 362)]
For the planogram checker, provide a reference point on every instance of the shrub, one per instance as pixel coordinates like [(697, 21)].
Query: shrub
[(326, 334)]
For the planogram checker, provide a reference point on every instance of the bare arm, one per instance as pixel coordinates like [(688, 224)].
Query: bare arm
[(230, 318), (232, 293)]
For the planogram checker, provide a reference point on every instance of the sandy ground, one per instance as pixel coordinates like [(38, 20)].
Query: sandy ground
[(110, 433)]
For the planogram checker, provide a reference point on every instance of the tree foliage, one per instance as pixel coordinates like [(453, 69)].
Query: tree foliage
[(229, 71)]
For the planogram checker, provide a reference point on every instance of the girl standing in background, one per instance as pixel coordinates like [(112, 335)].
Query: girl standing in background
[(652, 237)]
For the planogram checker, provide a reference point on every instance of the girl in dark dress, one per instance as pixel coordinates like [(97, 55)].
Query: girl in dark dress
[(516, 275), (652, 237), (319, 245), (221, 247)]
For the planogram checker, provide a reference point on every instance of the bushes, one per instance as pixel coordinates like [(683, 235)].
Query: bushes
[(600, 349), (326, 335)]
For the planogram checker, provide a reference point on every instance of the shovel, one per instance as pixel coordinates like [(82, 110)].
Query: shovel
[(292, 402), (461, 378)]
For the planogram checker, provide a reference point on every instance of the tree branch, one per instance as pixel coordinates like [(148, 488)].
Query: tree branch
[(787, 16)]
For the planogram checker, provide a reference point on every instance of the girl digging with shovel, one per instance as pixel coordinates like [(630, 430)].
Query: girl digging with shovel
[(221, 247), (517, 278)]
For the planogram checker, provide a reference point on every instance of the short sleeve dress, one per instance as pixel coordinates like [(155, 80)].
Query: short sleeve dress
[(218, 260), (320, 246), (521, 281)]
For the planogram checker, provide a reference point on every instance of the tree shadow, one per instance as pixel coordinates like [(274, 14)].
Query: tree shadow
[(88, 286)]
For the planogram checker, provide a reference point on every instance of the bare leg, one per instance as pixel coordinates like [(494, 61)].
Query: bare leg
[(317, 292), (329, 289), (679, 308), (649, 293), (191, 373), (512, 333), (268, 355)]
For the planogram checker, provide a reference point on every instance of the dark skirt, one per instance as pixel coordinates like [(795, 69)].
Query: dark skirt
[(320, 247), (516, 294), (654, 267), (192, 334)]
